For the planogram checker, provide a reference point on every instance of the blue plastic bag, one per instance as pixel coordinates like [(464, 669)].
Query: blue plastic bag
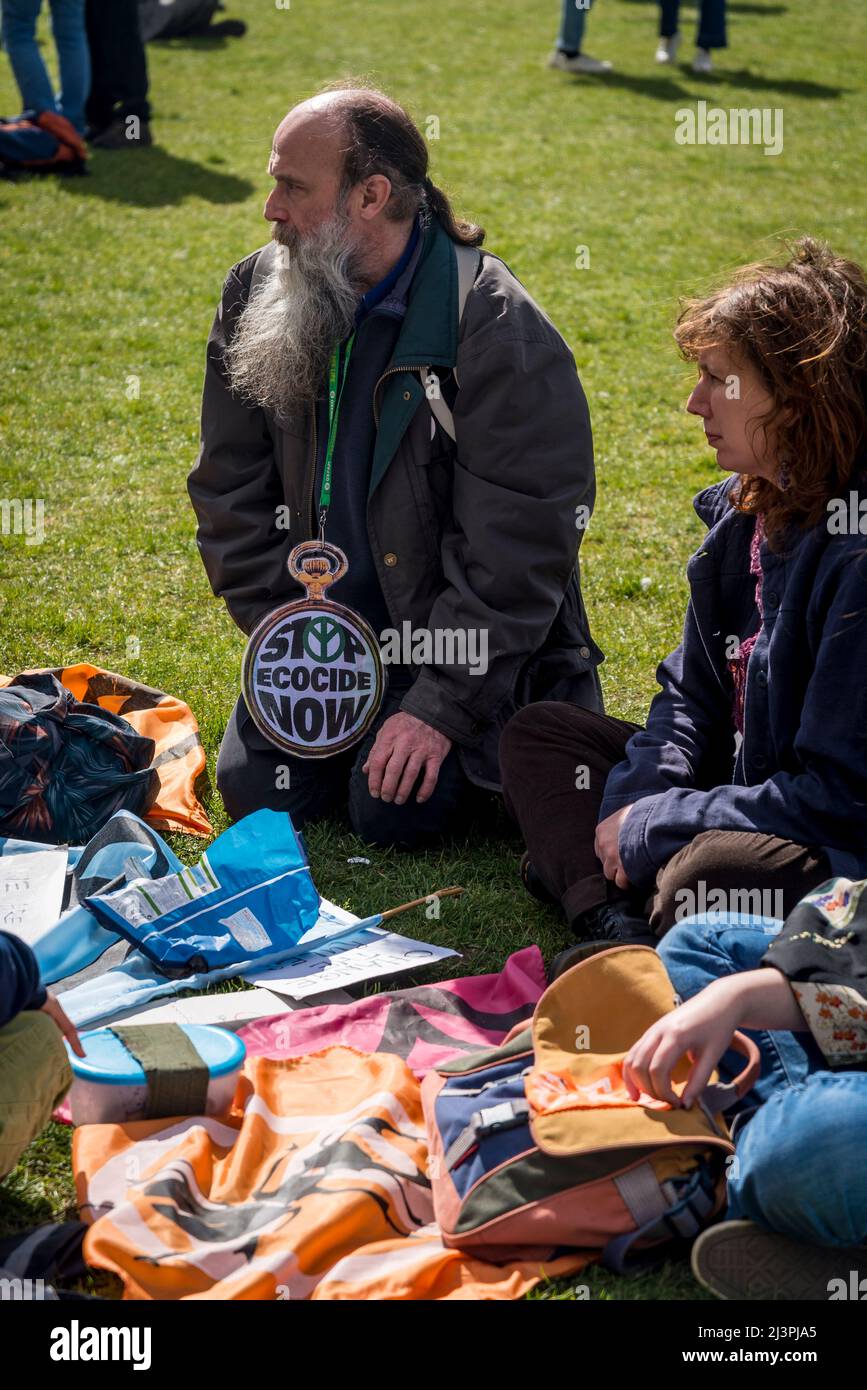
[(77, 943), (248, 900)]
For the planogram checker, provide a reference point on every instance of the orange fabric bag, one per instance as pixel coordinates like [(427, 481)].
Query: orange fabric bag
[(179, 758)]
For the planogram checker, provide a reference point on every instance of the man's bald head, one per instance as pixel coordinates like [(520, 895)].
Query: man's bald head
[(353, 148), (350, 145)]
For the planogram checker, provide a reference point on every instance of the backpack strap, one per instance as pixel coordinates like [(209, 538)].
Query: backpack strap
[(673, 1210), (468, 259)]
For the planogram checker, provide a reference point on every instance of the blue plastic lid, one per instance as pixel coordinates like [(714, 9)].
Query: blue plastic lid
[(107, 1061)]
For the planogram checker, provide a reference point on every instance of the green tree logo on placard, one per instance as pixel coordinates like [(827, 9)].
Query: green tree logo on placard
[(324, 639)]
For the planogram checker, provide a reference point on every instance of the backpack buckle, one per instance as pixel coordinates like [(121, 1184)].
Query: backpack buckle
[(507, 1115)]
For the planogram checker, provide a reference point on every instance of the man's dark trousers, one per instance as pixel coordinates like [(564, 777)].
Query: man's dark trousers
[(119, 81), (252, 773)]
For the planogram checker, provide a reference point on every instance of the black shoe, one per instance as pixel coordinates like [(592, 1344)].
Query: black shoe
[(573, 955), (605, 926), (225, 29), (613, 925), (115, 137), (534, 885), (740, 1260)]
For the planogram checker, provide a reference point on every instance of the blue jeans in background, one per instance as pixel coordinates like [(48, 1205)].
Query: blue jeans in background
[(711, 22), (572, 23), (801, 1135), (31, 74)]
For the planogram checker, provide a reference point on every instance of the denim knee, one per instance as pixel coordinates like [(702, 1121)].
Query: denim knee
[(799, 1168)]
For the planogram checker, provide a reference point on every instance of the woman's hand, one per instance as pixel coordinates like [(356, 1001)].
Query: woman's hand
[(702, 1029), (607, 846), (65, 1024)]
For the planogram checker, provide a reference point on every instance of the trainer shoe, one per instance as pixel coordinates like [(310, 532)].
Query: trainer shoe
[(740, 1260), (702, 61), (667, 50), (577, 62)]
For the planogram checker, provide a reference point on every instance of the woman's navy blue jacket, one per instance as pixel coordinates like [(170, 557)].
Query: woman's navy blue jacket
[(801, 769)]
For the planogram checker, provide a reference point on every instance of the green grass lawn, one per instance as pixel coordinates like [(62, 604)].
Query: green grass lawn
[(115, 277)]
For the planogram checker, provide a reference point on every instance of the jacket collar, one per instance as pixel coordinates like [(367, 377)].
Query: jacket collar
[(712, 503), (429, 334)]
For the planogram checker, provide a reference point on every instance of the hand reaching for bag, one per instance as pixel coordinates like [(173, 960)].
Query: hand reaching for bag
[(702, 1029)]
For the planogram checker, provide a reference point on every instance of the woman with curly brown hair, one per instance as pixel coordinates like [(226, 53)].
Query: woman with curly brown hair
[(748, 786)]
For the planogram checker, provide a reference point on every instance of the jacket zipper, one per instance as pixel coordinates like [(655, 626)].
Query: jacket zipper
[(390, 371)]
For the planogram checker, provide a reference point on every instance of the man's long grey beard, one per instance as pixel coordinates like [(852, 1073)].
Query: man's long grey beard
[(279, 355)]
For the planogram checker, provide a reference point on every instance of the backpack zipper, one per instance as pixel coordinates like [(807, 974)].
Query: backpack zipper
[(487, 1086)]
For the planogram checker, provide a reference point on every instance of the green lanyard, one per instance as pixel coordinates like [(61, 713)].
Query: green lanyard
[(336, 383)]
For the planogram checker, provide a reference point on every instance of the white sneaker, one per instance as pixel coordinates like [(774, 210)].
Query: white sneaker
[(702, 61), (581, 62), (667, 50)]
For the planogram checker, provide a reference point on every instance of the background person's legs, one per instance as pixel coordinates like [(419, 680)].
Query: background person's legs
[(119, 84), (712, 24), (34, 1077), (759, 874), (555, 759), (73, 55), (669, 15), (28, 68), (572, 21)]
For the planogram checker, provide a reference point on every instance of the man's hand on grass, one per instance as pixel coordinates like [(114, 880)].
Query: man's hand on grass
[(403, 748)]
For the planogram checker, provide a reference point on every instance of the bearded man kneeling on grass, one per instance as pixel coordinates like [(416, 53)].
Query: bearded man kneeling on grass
[(460, 470)]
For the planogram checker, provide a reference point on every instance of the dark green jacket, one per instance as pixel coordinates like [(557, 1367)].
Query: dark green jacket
[(481, 534)]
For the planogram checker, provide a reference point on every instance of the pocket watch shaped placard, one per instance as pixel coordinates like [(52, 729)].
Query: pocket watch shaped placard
[(312, 676)]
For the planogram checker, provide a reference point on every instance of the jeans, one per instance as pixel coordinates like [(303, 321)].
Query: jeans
[(801, 1132), (572, 24), (19, 36), (711, 22)]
